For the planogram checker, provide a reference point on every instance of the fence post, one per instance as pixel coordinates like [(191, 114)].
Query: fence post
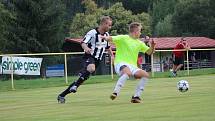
[(111, 67), (152, 65), (188, 72), (65, 65), (11, 67)]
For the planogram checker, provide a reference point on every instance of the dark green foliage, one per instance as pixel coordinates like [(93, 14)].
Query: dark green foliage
[(160, 10), (195, 17), (83, 22), (31, 26), (6, 18), (164, 27), (37, 27), (137, 6)]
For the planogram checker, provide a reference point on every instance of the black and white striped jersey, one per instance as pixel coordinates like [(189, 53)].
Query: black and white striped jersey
[(97, 45)]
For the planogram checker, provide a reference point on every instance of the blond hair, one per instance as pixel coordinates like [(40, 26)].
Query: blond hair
[(104, 19), (134, 26)]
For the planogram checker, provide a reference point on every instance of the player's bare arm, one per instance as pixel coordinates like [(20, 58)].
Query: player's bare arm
[(152, 48), (111, 54), (187, 46), (107, 38), (86, 48)]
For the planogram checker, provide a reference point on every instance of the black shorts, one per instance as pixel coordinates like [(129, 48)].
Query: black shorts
[(178, 60), (88, 59)]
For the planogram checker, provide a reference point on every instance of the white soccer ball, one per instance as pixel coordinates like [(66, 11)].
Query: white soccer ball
[(183, 86)]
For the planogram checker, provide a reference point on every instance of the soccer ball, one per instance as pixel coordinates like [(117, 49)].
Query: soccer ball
[(183, 86)]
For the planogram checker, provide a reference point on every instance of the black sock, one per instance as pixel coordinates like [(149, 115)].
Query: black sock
[(83, 76), (67, 91), (79, 81)]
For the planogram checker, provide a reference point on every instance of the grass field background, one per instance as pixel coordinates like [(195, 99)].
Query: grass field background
[(161, 102), (5, 84)]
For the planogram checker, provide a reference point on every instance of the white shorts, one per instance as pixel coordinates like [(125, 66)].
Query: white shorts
[(132, 68)]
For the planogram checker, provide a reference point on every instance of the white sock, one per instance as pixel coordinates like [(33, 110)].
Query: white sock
[(140, 87), (120, 83)]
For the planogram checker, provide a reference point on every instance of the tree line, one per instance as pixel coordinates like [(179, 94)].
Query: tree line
[(31, 26)]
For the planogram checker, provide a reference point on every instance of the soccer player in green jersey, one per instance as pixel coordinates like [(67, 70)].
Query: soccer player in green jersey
[(127, 49)]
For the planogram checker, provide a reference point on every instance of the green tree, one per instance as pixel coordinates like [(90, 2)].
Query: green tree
[(160, 9), (5, 20), (164, 28), (137, 6), (195, 17), (106, 3), (71, 8), (38, 25), (121, 18), (145, 19), (83, 22)]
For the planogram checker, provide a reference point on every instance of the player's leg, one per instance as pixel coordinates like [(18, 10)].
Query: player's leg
[(180, 64), (89, 67), (175, 65), (143, 76), (72, 88), (125, 73), (83, 76), (179, 67), (173, 72)]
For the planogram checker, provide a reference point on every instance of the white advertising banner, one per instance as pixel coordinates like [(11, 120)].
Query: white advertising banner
[(21, 65)]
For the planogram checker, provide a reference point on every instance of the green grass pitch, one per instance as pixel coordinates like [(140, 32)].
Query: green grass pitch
[(161, 102)]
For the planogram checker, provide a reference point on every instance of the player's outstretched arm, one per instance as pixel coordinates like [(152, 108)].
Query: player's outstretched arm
[(111, 54), (152, 48), (107, 38), (187, 46)]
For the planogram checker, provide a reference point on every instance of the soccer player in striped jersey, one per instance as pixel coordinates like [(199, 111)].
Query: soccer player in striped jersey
[(94, 48), (127, 49)]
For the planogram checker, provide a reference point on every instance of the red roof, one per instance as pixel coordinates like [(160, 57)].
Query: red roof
[(194, 42), (75, 40), (170, 42)]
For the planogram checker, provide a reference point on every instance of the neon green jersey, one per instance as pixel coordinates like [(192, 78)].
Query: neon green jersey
[(127, 49)]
